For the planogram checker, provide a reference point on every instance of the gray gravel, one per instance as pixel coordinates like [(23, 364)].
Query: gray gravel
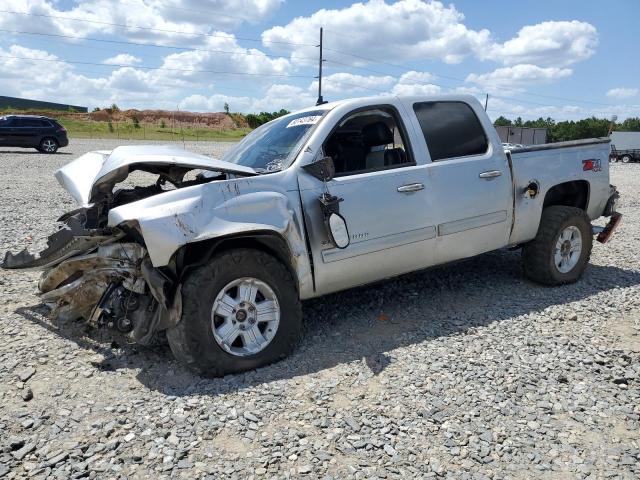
[(466, 371)]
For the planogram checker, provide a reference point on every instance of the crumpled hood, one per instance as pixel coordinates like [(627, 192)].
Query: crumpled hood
[(101, 170)]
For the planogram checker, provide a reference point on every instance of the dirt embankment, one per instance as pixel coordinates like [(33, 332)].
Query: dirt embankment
[(215, 121)]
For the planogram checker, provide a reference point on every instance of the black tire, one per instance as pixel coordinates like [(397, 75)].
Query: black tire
[(48, 145), (192, 340), (626, 158), (538, 255)]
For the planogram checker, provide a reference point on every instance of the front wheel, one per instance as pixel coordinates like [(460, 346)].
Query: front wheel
[(626, 159), (560, 252), (240, 312)]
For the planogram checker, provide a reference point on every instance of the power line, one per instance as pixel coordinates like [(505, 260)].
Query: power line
[(408, 69), (171, 7), (123, 25), (396, 77), (229, 36), (109, 65), (142, 44)]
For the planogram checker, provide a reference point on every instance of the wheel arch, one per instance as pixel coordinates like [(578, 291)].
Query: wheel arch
[(194, 254), (575, 193)]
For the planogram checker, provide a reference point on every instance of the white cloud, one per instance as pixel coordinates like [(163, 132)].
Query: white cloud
[(122, 59), (623, 92), (415, 83), (412, 77), (546, 44), (230, 57), (215, 103), (343, 84), (218, 13), (519, 75), (403, 30), (41, 75), (275, 97), (159, 19), (407, 89)]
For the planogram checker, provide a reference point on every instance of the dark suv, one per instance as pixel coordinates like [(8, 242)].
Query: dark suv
[(30, 131)]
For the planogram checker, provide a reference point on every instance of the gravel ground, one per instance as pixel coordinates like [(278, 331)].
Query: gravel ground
[(465, 371)]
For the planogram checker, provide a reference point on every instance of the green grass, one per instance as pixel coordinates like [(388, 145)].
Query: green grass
[(90, 129)]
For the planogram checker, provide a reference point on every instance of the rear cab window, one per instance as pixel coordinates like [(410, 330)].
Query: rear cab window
[(451, 129)]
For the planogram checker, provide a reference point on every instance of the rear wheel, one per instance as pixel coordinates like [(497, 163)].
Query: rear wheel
[(240, 312), (48, 145), (560, 252), (626, 158)]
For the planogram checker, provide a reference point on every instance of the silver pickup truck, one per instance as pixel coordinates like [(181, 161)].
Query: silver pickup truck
[(220, 253)]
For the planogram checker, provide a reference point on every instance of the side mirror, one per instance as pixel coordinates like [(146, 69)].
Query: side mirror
[(322, 169), (338, 230)]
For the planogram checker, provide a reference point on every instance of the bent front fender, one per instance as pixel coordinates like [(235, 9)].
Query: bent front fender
[(176, 218)]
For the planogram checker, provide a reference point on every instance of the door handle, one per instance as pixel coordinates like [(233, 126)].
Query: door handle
[(411, 187), (490, 174)]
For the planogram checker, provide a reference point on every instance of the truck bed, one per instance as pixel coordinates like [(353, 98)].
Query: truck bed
[(580, 161)]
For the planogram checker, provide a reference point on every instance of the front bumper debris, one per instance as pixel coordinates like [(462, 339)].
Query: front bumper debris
[(69, 241), (74, 287)]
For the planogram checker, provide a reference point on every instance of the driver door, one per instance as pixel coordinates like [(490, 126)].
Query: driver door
[(388, 215)]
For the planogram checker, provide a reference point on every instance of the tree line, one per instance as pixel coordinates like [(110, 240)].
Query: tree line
[(570, 129), (256, 119)]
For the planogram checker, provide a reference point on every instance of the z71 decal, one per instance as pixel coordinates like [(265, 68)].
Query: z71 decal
[(592, 164)]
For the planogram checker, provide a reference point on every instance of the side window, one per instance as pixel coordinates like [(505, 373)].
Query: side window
[(451, 129), (18, 122), (368, 140)]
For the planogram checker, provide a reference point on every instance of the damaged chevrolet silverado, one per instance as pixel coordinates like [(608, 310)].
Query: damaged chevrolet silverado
[(220, 253)]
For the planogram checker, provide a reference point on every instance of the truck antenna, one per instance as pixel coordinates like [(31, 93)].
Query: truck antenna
[(486, 102), (320, 99)]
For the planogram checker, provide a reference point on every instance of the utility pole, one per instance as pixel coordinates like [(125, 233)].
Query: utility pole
[(486, 102), (320, 99), (612, 124)]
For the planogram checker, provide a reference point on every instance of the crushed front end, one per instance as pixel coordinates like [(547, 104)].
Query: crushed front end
[(102, 273), (103, 276)]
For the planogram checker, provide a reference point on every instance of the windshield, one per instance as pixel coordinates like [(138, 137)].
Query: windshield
[(273, 146)]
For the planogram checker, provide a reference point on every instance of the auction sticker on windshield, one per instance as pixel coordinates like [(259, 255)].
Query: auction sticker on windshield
[(310, 120)]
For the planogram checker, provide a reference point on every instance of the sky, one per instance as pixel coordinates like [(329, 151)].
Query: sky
[(565, 59)]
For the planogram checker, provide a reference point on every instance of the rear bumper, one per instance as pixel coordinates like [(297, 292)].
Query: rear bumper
[(606, 233), (63, 141)]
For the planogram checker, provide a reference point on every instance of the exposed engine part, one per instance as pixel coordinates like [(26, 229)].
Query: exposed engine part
[(117, 308), (114, 287), (75, 286)]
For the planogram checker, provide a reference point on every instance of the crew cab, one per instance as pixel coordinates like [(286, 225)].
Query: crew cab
[(220, 253)]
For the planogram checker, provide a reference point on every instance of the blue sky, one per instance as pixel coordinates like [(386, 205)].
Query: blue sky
[(565, 59)]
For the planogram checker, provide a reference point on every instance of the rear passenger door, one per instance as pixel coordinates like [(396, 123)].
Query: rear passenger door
[(468, 181)]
